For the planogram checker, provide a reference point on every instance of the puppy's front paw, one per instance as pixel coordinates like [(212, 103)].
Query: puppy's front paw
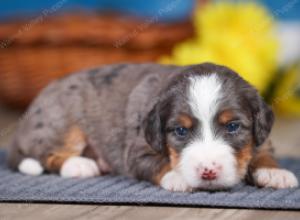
[(173, 181), (79, 167), (275, 178)]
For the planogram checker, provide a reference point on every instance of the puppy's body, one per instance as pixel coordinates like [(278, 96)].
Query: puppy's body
[(128, 119), (106, 104)]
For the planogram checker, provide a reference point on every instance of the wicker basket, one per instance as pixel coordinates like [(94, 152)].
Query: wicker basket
[(33, 54)]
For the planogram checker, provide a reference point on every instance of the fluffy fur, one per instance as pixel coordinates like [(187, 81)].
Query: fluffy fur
[(183, 128)]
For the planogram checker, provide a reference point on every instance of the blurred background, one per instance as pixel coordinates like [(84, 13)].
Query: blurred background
[(44, 40)]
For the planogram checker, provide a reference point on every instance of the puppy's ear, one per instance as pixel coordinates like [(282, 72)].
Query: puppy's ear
[(263, 119), (154, 127)]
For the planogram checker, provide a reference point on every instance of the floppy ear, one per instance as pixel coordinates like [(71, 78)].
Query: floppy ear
[(263, 117), (153, 128)]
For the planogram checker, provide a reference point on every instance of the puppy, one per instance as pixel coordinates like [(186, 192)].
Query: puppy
[(183, 128)]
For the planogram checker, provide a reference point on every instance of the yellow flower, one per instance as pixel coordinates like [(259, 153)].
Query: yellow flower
[(287, 95), (238, 35)]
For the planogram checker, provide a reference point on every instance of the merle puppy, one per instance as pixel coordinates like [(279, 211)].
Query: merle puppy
[(183, 128)]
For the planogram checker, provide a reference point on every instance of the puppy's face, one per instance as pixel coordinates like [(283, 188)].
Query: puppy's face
[(209, 121)]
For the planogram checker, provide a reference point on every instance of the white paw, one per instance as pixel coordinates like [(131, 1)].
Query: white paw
[(31, 167), (275, 178), (174, 181), (79, 167)]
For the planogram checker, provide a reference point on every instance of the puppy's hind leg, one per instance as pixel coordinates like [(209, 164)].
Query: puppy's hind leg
[(68, 160), (30, 166), (18, 161)]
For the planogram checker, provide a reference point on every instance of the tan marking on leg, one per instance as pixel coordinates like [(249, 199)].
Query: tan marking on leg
[(56, 159), (74, 144), (174, 156), (75, 139), (244, 157), (264, 158), (174, 160), (162, 172)]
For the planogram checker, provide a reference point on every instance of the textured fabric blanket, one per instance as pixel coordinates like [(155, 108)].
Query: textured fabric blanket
[(15, 187)]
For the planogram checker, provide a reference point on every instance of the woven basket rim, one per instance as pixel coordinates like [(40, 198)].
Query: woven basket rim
[(100, 30)]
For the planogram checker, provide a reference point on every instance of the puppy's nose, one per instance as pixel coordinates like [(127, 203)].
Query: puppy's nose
[(209, 174)]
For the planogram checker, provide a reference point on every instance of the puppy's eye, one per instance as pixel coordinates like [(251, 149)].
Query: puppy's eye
[(181, 132), (232, 127)]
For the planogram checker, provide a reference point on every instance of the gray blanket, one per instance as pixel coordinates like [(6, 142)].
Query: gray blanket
[(15, 187)]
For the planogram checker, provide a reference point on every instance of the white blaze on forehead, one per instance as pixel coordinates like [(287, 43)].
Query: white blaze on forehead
[(204, 93)]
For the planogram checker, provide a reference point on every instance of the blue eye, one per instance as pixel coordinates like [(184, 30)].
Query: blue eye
[(181, 131), (232, 127)]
